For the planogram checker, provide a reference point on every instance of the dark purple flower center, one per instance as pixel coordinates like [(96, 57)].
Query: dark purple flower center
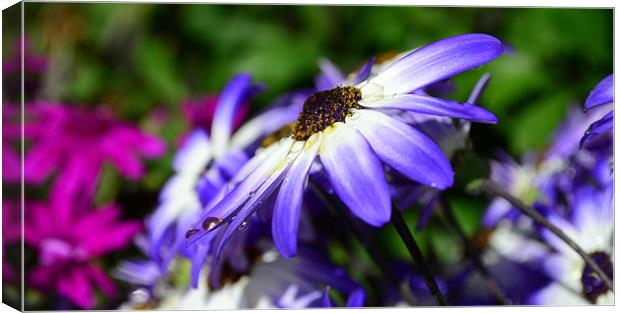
[(593, 285), (325, 108)]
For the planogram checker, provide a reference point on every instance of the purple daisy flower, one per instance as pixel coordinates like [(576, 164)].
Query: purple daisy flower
[(602, 94), (591, 227), (69, 240), (347, 130), (76, 142)]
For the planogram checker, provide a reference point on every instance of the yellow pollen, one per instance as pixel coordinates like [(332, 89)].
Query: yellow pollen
[(325, 108)]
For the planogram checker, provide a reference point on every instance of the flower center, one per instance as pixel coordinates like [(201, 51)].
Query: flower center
[(325, 108), (56, 251), (593, 285)]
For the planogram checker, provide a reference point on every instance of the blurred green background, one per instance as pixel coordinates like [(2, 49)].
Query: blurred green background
[(135, 57), (145, 58)]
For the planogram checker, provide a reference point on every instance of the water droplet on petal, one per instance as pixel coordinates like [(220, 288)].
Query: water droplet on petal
[(210, 222), (252, 193), (243, 226), (139, 296), (191, 232)]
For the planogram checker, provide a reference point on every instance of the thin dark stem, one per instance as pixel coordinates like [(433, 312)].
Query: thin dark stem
[(470, 252), (414, 250), (495, 190), (336, 207)]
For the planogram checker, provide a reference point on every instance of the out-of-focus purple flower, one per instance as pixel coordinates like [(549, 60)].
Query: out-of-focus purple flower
[(521, 180), (591, 227), (602, 94), (346, 128), (76, 141), (565, 142), (298, 282), (69, 241), (508, 247), (204, 166), (144, 273)]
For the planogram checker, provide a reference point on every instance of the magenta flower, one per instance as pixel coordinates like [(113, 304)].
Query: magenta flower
[(32, 63), (68, 245), (199, 112), (76, 141)]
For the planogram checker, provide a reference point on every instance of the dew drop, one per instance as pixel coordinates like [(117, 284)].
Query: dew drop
[(252, 193), (191, 232), (243, 226), (210, 222), (139, 296)]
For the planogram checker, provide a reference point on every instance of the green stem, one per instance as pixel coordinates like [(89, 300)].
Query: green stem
[(338, 209), (414, 250)]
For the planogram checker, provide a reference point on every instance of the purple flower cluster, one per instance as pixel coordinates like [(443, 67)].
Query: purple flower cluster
[(571, 184), (248, 218), (291, 207)]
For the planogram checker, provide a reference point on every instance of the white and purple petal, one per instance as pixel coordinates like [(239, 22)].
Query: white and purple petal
[(432, 106), (235, 93), (285, 220), (257, 173), (330, 76), (438, 61), (599, 127), (602, 93), (356, 174), (404, 148)]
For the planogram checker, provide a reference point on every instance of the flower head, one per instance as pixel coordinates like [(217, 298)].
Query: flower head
[(69, 241), (591, 227), (347, 129), (76, 142)]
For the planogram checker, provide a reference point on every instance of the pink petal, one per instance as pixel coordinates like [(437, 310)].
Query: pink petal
[(102, 280), (115, 237), (77, 289)]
